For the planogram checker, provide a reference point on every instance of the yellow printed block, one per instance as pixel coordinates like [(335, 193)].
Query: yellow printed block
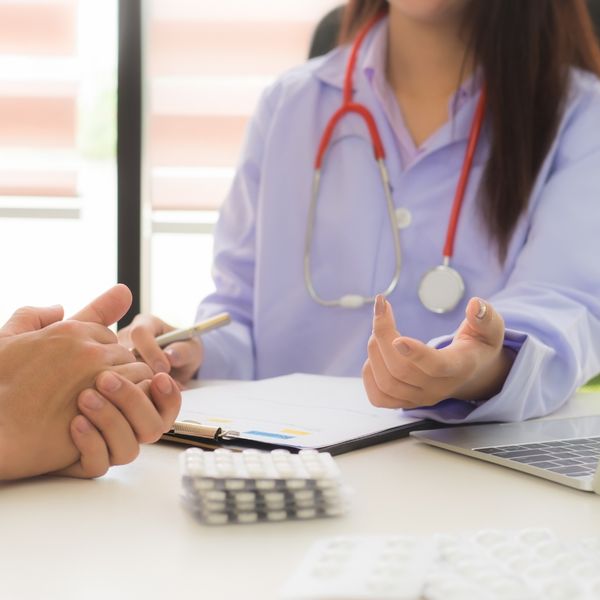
[(295, 432)]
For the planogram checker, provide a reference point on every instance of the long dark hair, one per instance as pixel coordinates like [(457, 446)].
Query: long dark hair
[(525, 48)]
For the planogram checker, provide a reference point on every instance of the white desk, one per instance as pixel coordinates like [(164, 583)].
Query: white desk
[(125, 536)]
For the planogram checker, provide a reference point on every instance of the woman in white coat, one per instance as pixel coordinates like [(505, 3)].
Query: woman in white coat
[(456, 145)]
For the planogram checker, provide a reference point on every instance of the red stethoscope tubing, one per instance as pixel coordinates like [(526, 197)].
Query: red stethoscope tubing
[(464, 174), (348, 106)]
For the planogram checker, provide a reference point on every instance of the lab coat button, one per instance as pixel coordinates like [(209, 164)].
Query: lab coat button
[(403, 218)]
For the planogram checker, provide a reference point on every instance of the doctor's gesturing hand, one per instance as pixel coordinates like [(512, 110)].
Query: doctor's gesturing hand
[(180, 359), (403, 372)]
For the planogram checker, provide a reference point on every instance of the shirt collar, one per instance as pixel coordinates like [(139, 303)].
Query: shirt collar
[(331, 68), (370, 71), (374, 61), (374, 68)]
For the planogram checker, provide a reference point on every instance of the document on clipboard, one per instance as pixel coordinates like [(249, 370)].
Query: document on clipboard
[(296, 412)]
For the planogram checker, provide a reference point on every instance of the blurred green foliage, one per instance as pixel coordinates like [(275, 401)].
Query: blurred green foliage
[(98, 124), (593, 385)]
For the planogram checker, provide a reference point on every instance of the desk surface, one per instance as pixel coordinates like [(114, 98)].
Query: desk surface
[(125, 536)]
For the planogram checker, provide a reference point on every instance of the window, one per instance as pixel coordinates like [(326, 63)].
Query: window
[(57, 151), (207, 63)]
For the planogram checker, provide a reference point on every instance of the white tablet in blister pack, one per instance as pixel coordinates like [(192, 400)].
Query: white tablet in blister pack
[(244, 487), (530, 564)]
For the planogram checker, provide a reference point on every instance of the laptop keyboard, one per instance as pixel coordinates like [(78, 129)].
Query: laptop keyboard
[(574, 458)]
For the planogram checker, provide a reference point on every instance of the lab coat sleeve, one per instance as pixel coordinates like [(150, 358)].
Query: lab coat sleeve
[(551, 302), (229, 351)]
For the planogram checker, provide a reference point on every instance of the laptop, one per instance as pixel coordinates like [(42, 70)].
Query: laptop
[(566, 451)]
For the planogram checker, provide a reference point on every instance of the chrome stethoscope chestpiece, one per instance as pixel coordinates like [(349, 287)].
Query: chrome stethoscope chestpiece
[(441, 289)]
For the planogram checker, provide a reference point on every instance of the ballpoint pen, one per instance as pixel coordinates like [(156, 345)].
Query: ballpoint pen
[(179, 335)]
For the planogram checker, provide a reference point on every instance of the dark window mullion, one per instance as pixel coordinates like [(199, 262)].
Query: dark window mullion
[(129, 151)]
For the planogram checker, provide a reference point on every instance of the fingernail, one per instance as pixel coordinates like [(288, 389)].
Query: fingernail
[(160, 367), (173, 356), (401, 347), (92, 401), (82, 425), (163, 383), (109, 382), (482, 309), (379, 307)]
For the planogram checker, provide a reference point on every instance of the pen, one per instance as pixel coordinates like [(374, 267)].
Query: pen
[(179, 335), (185, 334)]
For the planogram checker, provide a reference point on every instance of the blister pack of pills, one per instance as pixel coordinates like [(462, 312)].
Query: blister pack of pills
[(530, 564), (245, 487)]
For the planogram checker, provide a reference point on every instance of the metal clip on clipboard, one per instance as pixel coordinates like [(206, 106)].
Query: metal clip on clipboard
[(206, 432)]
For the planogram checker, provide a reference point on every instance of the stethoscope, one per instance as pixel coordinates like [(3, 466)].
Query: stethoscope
[(442, 287)]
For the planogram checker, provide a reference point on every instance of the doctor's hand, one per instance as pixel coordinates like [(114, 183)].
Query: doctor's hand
[(402, 372), (180, 359)]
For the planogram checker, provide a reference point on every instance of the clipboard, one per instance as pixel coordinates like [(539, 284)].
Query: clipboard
[(294, 412)]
